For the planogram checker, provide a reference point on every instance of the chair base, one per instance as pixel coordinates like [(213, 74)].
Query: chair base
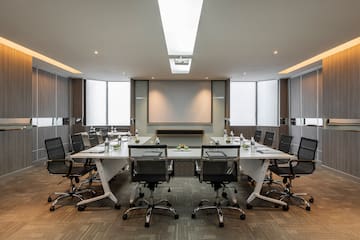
[(287, 194), (218, 206), (150, 206), (72, 193)]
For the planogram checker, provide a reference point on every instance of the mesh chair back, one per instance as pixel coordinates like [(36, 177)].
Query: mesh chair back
[(148, 163), (54, 148), (219, 163), (307, 152), (55, 151), (268, 139), (285, 143), (94, 140), (257, 136), (77, 143)]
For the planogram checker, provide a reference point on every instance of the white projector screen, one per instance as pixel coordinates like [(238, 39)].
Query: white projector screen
[(173, 102)]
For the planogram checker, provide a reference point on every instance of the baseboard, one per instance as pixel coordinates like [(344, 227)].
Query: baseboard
[(344, 174)]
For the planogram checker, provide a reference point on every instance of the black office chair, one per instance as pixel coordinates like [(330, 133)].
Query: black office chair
[(149, 166), (305, 165), (268, 139), (58, 164), (257, 136), (78, 146), (219, 167), (94, 140), (284, 146)]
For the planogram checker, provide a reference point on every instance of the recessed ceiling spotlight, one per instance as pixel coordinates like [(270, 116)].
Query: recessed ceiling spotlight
[(275, 52), (206, 78), (244, 73), (96, 52), (152, 77)]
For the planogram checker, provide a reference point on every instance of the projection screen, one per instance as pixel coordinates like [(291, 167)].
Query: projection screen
[(179, 102)]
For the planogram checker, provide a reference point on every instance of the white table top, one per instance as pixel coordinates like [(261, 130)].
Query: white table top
[(261, 152)]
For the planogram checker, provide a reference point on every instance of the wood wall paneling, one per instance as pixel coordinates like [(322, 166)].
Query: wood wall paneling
[(341, 84), (309, 95), (284, 98), (340, 151), (295, 101), (62, 93), (15, 84), (320, 94), (46, 94), (15, 148)]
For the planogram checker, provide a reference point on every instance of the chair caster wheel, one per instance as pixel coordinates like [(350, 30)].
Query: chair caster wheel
[(224, 194), (168, 204), (147, 225), (308, 208), (125, 216), (221, 224), (285, 207), (81, 208), (117, 206), (93, 193), (169, 190), (311, 200), (193, 215), (141, 195), (52, 208), (77, 180), (235, 191), (242, 216), (49, 199), (176, 216), (249, 206)]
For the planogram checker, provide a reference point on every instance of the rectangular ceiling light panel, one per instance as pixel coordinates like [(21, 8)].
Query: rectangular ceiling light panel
[(180, 20)]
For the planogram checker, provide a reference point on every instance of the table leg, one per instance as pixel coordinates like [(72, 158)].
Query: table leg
[(257, 170)]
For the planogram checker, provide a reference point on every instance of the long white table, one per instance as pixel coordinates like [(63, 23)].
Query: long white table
[(255, 164), (108, 165)]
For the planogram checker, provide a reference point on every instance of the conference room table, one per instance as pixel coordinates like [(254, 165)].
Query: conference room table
[(109, 164), (255, 164)]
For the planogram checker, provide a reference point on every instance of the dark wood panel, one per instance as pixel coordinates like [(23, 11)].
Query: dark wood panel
[(341, 84), (309, 95), (62, 97), (46, 94), (247, 131), (320, 93), (295, 99), (15, 148), (340, 151), (284, 98), (15, 83), (34, 92), (77, 97)]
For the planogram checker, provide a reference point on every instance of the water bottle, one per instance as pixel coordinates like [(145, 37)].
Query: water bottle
[(225, 135), (136, 133), (157, 140), (232, 136), (107, 145), (252, 145), (241, 139)]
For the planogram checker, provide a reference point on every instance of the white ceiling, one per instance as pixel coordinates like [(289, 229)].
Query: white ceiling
[(234, 36)]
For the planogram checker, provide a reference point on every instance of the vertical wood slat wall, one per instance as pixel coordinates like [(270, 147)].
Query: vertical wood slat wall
[(341, 88), (51, 92), (15, 102), (305, 96)]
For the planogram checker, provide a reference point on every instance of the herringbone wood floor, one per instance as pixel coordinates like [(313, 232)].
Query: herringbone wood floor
[(24, 211)]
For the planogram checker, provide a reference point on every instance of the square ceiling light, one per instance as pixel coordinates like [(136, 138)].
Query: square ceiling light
[(180, 65)]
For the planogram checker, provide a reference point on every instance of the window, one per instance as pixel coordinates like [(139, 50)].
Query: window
[(267, 103), (107, 103), (254, 103), (243, 103)]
